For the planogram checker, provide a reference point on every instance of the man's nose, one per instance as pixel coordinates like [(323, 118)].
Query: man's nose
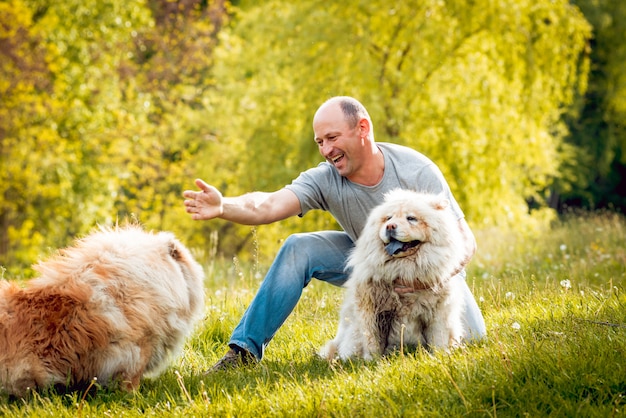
[(325, 150)]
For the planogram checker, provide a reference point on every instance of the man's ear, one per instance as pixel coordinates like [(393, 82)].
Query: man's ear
[(364, 128)]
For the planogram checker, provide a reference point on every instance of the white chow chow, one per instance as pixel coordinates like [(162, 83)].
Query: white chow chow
[(117, 306), (410, 240)]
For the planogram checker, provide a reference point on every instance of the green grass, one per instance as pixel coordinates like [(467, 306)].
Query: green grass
[(555, 309)]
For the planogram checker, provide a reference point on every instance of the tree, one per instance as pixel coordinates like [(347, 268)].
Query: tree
[(478, 87), (597, 171), (94, 104), (165, 87), (30, 183), (110, 109)]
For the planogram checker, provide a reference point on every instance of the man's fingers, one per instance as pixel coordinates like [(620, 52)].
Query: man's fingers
[(190, 194), (203, 204), (202, 185)]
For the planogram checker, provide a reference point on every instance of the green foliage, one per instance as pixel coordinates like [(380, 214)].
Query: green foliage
[(555, 309), (111, 109), (32, 184), (595, 176), (95, 108), (478, 88), (57, 119)]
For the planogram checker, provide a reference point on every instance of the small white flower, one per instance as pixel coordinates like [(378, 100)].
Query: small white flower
[(516, 325), (563, 247), (509, 295), (481, 299), (566, 284)]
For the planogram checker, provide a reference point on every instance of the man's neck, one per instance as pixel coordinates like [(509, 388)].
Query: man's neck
[(372, 171)]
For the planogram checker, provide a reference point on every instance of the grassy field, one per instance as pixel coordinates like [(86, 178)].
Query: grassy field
[(555, 308)]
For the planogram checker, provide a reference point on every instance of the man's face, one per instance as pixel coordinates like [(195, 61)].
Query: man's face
[(340, 144)]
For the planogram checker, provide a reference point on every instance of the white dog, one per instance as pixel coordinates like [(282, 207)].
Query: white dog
[(414, 240), (116, 306)]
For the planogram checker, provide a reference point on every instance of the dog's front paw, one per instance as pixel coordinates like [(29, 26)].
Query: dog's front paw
[(329, 351)]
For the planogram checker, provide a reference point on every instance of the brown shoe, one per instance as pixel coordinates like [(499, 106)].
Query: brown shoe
[(234, 358)]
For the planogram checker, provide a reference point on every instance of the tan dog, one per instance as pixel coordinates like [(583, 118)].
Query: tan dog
[(117, 306), (413, 240)]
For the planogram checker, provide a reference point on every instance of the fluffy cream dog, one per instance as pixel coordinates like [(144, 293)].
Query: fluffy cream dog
[(116, 306), (411, 239)]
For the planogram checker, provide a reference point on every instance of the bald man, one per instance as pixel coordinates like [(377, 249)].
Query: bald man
[(353, 180)]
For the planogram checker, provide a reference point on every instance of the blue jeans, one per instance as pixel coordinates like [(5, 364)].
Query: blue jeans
[(322, 255)]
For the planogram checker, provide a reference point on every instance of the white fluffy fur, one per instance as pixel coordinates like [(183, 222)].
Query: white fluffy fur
[(374, 318), (116, 306)]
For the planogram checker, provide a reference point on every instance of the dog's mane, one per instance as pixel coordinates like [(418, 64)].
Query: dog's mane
[(434, 262)]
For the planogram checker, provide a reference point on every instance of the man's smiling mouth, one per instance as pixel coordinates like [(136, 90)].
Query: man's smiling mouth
[(336, 158)]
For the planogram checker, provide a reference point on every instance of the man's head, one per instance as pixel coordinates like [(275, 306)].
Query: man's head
[(344, 135), (353, 112)]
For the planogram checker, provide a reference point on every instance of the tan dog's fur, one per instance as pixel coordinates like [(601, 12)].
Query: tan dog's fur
[(375, 318), (116, 306)]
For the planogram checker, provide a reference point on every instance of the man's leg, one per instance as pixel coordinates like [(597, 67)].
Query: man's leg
[(303, 256), (475, 328)]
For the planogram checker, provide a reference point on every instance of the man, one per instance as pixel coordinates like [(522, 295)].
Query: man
[(353, 179)]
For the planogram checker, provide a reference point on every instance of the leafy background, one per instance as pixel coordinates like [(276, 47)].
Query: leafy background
[(110, 109)]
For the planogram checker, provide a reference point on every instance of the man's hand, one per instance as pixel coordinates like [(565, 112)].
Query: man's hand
[(205, 204)]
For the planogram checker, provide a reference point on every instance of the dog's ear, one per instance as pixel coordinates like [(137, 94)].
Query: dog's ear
[(440, 203), (173, 250)]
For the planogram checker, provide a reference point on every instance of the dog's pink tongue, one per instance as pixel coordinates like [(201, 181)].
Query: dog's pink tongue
[(393, 246)]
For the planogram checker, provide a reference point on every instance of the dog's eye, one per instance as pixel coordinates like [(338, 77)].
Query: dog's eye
[(412, 219), (387, 218)]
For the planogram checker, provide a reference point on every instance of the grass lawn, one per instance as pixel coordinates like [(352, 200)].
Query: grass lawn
[(555, 308)]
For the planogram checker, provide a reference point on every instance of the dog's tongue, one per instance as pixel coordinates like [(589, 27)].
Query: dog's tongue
[(394, 246)]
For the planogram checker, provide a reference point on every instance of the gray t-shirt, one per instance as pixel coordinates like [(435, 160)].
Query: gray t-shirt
[(323, 188)]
